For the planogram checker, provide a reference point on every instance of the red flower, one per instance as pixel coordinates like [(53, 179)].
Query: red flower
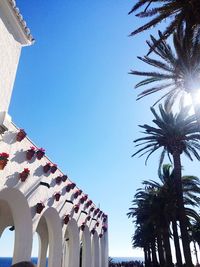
[(4, 156)]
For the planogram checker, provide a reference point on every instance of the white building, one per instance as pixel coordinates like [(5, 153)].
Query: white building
[(68, 223)]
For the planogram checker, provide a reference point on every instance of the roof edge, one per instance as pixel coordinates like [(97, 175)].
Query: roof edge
[(21, 21)]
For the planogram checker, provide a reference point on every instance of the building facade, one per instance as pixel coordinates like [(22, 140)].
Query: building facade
[(35, 195)]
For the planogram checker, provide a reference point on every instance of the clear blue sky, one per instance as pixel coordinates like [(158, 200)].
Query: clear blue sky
[(74, 97)]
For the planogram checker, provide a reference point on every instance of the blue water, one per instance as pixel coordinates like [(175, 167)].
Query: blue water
[(7, 262), (120, 259)]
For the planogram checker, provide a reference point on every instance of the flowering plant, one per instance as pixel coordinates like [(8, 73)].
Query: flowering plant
[(24, 174), (68, 187), (73, 185), (30, 153), (58, 179), (39, 207), (40, 153), (64, 178), (54, 168), (47, 167), (82, 226), (66, 219), (57, 196), (21, 135), (3, 160), (4, 156), (93, 231), (76, 208), (105, 228), (76, 194)]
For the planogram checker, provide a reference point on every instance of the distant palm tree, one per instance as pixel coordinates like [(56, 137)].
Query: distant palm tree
[(177, 70), (175, 134), (154, 207), (167, 191), (180, 12)]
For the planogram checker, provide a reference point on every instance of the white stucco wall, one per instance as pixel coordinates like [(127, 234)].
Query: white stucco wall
[(10, 49)]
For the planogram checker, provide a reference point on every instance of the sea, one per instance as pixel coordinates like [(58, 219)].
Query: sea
[(120, 259), (7, 262)]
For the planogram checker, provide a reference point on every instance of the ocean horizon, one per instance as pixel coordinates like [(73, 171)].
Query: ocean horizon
[(120, 259), (7, 261)]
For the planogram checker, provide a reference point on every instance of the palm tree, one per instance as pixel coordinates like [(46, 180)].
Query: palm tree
[(181, 12), (191, 190), (175, 134), (177, 71), (147, 218)]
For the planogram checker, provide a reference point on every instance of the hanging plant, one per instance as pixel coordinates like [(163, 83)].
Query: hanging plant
[(58, 179), (24, 174), (76, 194), (20, 135), (54, 168), (76, 208), (39, 207), (30, 153), (89, 203), (82, 199), (40, 153), (82, 226), (68, 188), (73, 185), (91, 209), (93, 231), (47, 167), (3, 160), (66, 219), (57, 196), (104, 228), (64, 178), (101, 235), (105, 218)]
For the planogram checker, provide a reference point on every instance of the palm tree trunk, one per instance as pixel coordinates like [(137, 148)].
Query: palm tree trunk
[(168, 253), (176, 243), (181, 210), (149, 255), (196, 254), (160, 249), (153, 249), (146, 260)]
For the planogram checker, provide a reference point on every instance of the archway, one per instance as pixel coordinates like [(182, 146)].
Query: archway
[(71, 245), (15, 212), (49, 230)]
